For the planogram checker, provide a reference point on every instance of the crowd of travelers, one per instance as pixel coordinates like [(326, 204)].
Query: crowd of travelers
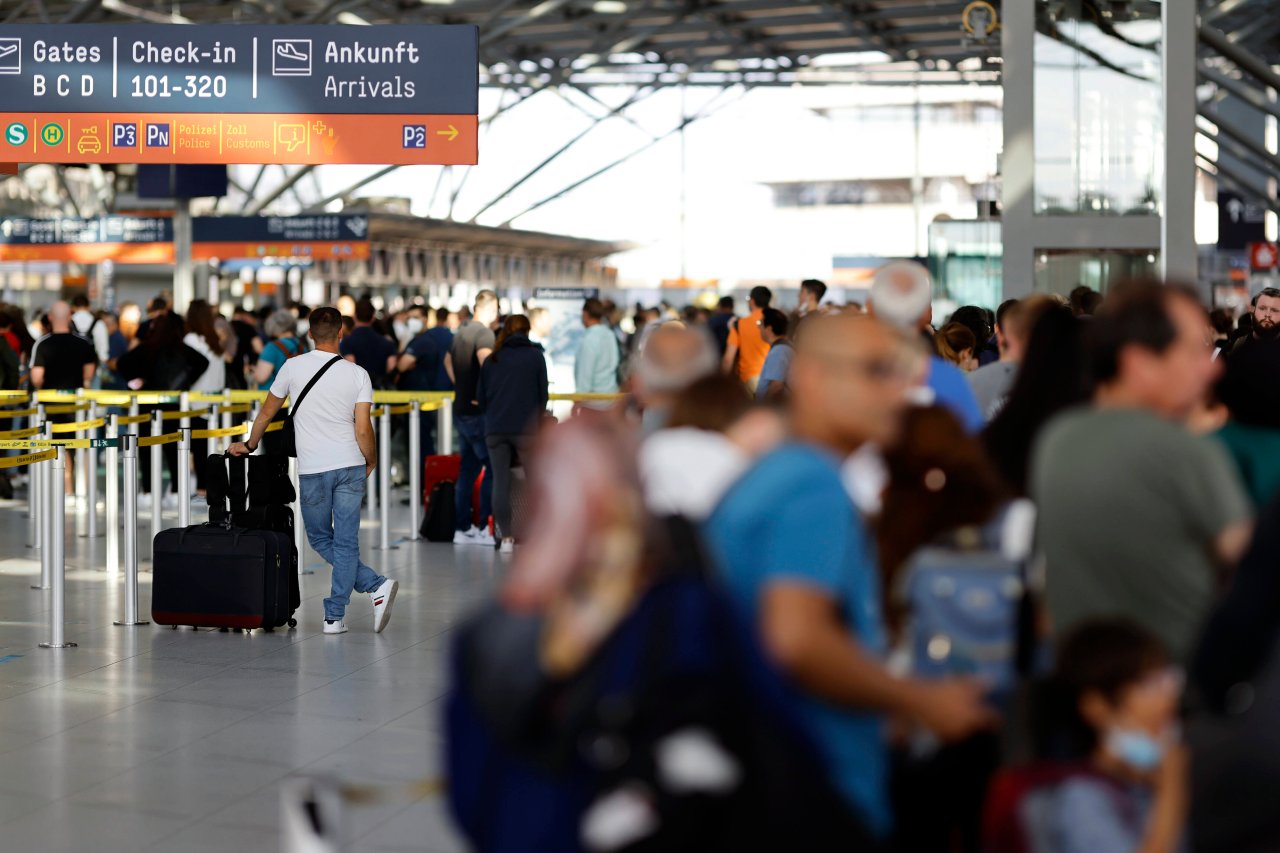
[(841, 577), (852, 579)]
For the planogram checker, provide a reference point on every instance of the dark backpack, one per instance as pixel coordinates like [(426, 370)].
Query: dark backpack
[(438, 523), (530, 758)]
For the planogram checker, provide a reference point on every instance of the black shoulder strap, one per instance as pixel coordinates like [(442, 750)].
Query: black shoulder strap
[(293, 407)]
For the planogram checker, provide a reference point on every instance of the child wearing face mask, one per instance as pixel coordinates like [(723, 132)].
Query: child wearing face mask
[(1120, 785)]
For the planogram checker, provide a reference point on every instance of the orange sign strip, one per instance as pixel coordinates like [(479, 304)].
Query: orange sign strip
[(91, 253), (320, 251), (242, 138)]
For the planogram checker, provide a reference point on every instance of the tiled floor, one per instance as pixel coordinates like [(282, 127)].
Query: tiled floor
[(148, 738)]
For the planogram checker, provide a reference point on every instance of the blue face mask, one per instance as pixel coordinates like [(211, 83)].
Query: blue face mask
[(1137, 749)]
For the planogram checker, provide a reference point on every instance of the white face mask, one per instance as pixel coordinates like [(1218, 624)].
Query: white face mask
[(414, 325), (399, 328)]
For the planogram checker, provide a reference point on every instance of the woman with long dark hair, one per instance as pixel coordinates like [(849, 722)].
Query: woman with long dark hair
[(202, 336), (513, 395), (1053, 377)]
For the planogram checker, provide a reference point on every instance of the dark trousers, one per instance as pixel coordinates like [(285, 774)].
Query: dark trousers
[(475, 458), (504, 451), (169, 452)]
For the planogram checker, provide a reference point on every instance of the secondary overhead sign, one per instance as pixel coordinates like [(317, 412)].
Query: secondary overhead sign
[(228, 93), (149, 239)]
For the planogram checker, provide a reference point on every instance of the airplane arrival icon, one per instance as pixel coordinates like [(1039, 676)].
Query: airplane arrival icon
[(10, 56), (291, 57)]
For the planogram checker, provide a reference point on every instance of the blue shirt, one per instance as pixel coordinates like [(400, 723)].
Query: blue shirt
[(951, 389), (443, 339), (272, 355), (371, 351), (596, 369), (427, 366), (777, 367), (789, 519)]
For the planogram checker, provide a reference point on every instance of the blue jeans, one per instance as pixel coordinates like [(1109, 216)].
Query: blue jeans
[(475, 456), (331, 513)]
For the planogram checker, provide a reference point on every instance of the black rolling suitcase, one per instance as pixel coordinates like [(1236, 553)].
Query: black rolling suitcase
[(241, 569), (213, 576)]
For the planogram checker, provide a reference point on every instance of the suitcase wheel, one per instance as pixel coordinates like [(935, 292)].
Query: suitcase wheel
[(293, 623), (173, 627)]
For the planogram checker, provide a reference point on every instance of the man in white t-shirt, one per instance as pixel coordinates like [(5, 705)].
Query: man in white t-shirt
[(336, 453)]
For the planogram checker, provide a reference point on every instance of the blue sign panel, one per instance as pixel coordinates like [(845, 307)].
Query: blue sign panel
[(233, 68)]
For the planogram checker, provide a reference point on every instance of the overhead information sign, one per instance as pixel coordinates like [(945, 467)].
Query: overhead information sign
[(227, 93), (149, 240)]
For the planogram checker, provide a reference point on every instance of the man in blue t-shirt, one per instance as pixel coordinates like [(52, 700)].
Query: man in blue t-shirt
[(367, 348), (421, 368), (800, 563)]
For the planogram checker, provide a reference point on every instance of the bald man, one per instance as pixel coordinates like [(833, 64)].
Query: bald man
[(62, 361), (672, 357), (798, 560)]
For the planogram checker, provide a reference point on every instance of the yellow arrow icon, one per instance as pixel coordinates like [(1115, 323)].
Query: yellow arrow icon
[(452, 133)]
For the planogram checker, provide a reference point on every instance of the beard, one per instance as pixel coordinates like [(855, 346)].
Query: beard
[(1267, 332)]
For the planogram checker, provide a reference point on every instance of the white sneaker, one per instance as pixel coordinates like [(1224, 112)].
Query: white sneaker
[(339, 627), (383, 597), (484, 537), (508, 546), (169, 501), (464, 537), (199, 501), (144, 501)]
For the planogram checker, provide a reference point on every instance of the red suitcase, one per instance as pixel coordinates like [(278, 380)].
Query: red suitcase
[(439, 469)]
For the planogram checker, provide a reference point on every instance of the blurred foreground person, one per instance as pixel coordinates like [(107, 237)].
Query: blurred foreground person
[(1138, 516), (1120, 785), (800, 564), (673, 357), (901, 296), (610, 700), (713, 434)]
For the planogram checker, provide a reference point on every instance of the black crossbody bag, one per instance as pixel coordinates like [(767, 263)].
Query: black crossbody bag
[(288, 442)]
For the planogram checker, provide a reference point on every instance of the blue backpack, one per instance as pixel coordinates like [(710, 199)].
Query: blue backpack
[(966, 601)]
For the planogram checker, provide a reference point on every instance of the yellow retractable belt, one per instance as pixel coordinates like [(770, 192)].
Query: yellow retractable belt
[(127, 420), (28, 458), (28, 443), (18, 413), (243, 429), (153, 440), (20, 433), (237, 409), (177, 416), (66, 410), (79, 426), (275, 427)]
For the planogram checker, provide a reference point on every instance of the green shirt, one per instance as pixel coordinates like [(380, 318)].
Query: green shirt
[(1256, 452), (1130, 505)]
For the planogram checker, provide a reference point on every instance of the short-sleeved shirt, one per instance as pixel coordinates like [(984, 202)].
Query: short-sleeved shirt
[(788, 519), (752, 350), (991, 386), (777, 367), (428, 361), (1130, 505), (273, 355), (370, 349), (325, 426), (950, 390), (63, 357), (595, 368), (467, 343), (1089, 814), (444, 342)]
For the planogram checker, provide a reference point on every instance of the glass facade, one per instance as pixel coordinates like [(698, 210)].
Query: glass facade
[(965, 261), (1098, 108)]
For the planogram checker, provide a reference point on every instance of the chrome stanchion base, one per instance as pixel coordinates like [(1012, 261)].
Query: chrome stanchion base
[(130, 624), (388, 548), (38, 586), (58, 646)]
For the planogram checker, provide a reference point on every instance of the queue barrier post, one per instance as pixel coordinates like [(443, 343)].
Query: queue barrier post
[(33, 497), (113, 495), (129, 452), (79, 479), (444, 426), (184, 476), (58, 525), (224, 443), (415, 470), (91, 476), (384, 481), (43, 472), (157, 476)]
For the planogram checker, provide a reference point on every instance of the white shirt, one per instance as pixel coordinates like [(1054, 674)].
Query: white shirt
[(686, 471), (325, 428), (214, 378), (82, 321)]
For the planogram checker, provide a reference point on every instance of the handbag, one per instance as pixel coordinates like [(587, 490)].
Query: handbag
[(288, 441)]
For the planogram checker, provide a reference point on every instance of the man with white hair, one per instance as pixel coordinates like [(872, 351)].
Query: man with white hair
[(901, 296), (672, 357)]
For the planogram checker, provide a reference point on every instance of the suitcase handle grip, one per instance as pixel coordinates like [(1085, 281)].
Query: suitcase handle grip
[(235, 531)]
